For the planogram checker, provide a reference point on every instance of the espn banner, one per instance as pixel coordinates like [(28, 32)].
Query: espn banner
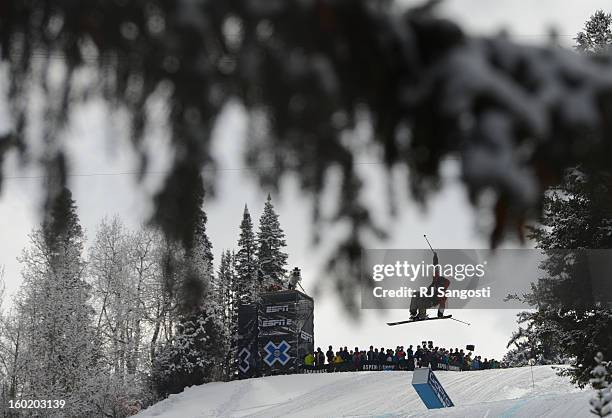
[(274, 334), (285, 325), (372, 366)]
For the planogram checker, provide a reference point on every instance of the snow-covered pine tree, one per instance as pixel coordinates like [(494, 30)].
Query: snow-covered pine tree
[(576, 215), (233, 297), (192, 357), (601, 403), (246, 261), (211, 315), (226, 295), (533, 342), (515, 357), (197, 269), (59, 352), (196, 354), (597, 34), (223, 282), (270, 243), (202, 251)]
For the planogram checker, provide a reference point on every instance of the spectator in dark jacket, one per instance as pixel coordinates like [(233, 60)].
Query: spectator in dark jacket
[(330, 355), (319, 357), (382, 356), (418, 354), (371, 354), (426, 358), (346, 356)]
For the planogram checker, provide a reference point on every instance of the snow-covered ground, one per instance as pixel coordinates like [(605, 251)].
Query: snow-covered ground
[(488, 393)]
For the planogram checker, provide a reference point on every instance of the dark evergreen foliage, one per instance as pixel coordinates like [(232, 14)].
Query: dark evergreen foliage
[(61, 224), (307, 70), (597, 34), (577, 215), (271, 259), (245, 259), (199, 271), (601, 403)]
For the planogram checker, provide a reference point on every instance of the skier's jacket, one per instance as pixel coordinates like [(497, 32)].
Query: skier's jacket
[(440, 282)]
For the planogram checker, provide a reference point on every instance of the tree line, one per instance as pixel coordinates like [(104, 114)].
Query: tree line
[(107, 329)]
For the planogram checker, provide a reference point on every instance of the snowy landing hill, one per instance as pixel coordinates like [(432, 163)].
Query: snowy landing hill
[(488, 393)]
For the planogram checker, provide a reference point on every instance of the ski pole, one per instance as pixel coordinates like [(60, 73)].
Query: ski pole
[(458, 320), (432, 250)]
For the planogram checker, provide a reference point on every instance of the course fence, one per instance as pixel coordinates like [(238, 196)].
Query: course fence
[(376, 366)]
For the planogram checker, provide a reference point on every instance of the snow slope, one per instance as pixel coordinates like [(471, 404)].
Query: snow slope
[(489, 393)]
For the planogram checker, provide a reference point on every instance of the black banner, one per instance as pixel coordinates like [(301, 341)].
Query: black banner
[(286, 328), (247, 350)]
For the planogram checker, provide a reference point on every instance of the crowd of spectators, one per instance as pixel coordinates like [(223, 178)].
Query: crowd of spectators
[(425, 355)]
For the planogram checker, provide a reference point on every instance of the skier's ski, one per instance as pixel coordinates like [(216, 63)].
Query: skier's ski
[(417, 320)]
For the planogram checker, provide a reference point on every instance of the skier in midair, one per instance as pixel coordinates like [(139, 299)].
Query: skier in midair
[(420, 304)]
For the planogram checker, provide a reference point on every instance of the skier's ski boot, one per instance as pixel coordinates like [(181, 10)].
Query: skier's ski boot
[(440, 314)]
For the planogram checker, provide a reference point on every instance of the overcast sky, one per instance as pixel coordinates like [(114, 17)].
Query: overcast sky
[(450, 221)]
